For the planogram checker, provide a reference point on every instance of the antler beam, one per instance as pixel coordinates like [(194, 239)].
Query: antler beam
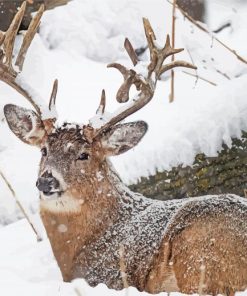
[(145, 84), (9, 72)]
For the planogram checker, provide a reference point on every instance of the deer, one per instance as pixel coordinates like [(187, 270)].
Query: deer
[(98, 229)]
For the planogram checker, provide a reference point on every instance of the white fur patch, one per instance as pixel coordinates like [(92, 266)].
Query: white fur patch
[(63, 204)]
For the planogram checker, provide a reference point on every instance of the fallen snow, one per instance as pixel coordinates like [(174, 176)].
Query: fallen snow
[(27, 267)]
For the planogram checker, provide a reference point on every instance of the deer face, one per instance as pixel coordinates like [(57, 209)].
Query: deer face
[(69, 160)]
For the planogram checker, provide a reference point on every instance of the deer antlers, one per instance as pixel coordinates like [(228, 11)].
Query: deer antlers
[(9, 70), (144, 83)]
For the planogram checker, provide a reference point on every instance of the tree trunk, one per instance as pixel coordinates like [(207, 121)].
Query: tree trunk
[(226, 173), (9, 8), (195, 8)]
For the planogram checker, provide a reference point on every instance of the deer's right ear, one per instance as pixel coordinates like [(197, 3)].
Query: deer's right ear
[(122, 137), (25, 124)]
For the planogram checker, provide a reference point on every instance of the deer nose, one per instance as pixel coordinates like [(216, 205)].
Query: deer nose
[(47, 184)]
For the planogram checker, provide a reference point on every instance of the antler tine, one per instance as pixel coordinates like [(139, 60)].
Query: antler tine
[(150, 36), (101, 108), (5, 77), (143, 99), (32, 29), (53, 96), (123, 92), (131, 52), (158, 56), (168, 50), (175, 64), (10, 76), (129, 79), (10, 35), (7, 72), (122, 69)]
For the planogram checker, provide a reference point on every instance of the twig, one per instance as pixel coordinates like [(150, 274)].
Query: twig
[(201, 78), (223, 74), (171, 97), (201, 27), (227, 25), (20, 205), (192, 61)]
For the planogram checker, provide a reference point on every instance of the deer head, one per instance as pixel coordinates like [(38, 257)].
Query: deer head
[(70, 157)]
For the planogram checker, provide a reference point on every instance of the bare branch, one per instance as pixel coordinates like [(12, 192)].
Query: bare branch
[(203, 28), (224, 26), (200, 77)]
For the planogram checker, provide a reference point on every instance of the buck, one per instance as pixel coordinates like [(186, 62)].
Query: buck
[(100, 230)]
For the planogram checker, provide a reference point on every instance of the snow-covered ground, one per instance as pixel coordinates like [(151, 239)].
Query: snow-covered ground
[(74, 45), (27, 267)]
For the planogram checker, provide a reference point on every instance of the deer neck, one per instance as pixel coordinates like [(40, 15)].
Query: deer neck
[(74, 221)]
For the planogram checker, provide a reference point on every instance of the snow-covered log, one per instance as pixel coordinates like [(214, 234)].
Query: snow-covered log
[(225, 173), (195, 8), (9, 8)]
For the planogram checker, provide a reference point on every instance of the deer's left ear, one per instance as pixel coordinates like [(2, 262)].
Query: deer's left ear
[(122, 137), (25, 124)]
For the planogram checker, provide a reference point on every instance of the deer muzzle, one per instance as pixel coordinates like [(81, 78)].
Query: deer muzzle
[(48, 184)]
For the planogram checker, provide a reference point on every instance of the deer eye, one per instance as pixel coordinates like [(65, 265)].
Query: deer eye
[(44, 151), (83, 156)]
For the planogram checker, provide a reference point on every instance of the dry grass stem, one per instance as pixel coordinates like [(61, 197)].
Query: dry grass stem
[(20, 206), (171, 97), (204, 29), (201, 78)]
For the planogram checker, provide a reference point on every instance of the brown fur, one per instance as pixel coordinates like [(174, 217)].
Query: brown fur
[(213, 241), (93, 218)]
